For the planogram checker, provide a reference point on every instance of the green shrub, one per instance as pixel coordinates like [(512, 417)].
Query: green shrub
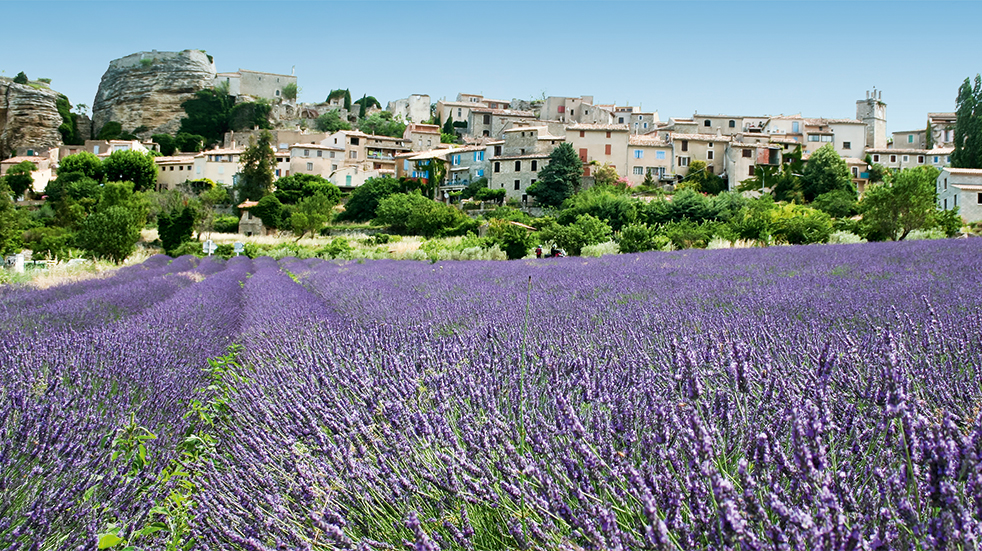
[(226, 224), (801, 225), (688, 234), (52, 242), (337, 248), (636, 238), (488, 194), (601, 249), (587, 230), (844, 237)]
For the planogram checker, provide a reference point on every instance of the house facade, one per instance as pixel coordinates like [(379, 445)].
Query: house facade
[(899, 159), (599, 144), (174, 171), (414, 109), (962, 188), (648, 155), (255, 84)]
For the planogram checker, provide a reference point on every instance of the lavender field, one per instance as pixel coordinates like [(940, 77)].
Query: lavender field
[(813, 397)]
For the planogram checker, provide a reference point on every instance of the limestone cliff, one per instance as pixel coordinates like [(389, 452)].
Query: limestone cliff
[(146, 89), (28, 117)]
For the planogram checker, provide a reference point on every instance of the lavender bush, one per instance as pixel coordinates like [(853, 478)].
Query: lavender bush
[(817, 397)]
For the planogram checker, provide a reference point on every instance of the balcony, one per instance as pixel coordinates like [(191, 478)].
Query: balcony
[(379, 156)]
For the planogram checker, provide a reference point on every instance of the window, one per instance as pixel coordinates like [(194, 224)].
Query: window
[(221, 170), (607, 149), (320, 153), (709, 155), (583, 154), (910, 138), (197, 170), (685, 145), (709, 145), (518, 185), (460, 113), (638, 153), (893, 158), (638, 170), (906, 158), (946, 183), (826, 138), (354, 154), (876, 158), (347, 180), (855, 172), (794, 128), (945, 204), (979, 199), (487, 119), (478, 155), (620, 120), (455, 159), (935, 159), (561, 109), (480, 173), (608, 135), (646, 125), (334, 167), (751, 171), (920, 159), (497, 150), (707, 123), (310, 166), (732, 124), (582, 134), (846, 145), (277, 93), (405, 165), (354, 141), (518, 166), (947, 159), (747, 154), (331, 154), (711, 169), (660, 155), (535, 166), (683, 161), (814, 137), (497, 167)]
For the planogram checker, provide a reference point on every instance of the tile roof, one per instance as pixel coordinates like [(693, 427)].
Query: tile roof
[(701, 137), (601, 127), (503, 112), (220, 152), (526, 156), (316, 146), (174, 159), (935, 151), (16, 160), (968, 187), (965, 171), (527, 128), (646, 141), (832, 121), (463, 103)]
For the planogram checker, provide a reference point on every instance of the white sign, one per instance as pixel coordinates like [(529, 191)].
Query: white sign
[(239, 247), (209, 247)]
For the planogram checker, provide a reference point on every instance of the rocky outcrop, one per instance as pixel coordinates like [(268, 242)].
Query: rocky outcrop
[(146, 89), (28, 117)]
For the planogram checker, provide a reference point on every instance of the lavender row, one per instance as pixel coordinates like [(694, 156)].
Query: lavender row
[(67, 394), (775, 398)]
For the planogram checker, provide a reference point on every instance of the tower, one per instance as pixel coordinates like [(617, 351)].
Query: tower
[(872, 111)]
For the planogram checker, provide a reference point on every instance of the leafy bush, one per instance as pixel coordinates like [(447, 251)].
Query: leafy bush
[(131, 166), (586, 230), (844, 237), (838, 203), (175, 228), (167, 143), (514, 240), (53, 242), (331, 122), (111, 233), (337, 248), (488, 194), (411, 213), (365, 199), (87, 163), (605, 203), (270, 211), (801, 225), (226, 224), (600, 249), (636, 238), (688, 234)]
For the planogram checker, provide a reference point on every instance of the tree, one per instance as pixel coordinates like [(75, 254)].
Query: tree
[(382, 123), (837, 204), (586, 230), (113, 229), (189, 143), (559, 179), (270, 211), (207, 114), (893, 209), (295, 187), (167, 143), (131, 166), (175, 228), (331, 122), (9, 227), (87, 163), (21, 78), (411, 213), (700, 179), (825, 172), (249, 115), (361, 107), (19, 179), (448, 128), (258, 162), (112, 130), (514, 240), (365, 198), (311, 214), (291, 91), (605, 203), (968, 125)]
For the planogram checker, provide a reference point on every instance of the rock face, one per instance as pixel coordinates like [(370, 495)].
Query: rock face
[(147, 89), (28, 117)]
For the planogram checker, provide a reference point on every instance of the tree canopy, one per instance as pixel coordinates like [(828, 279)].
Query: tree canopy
[(258, 162), (968, 125), (131, 166), (295, 187), (826, 171), (19, 179), (559, 179), (894, 208), (331, 122), (382, 123)]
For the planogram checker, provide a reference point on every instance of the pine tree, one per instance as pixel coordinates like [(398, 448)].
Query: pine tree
[(258, 161), (559, 179)]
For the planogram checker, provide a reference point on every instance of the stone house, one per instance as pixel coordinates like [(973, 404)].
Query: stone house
[(249, 224), (962, 188), (942, 128), (728, 125), (414, 109), (174, 171), (42, 175), (638, 121), (515, 163), (710, 148), (490, 123), (218, 165), (255, 84), (910, 139), (899, 159), (600, 144), (422, 137), (648, 155), (316, 159), (574, 110)]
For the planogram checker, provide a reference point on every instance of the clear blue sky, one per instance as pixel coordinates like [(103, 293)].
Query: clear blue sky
[(737, 58)]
